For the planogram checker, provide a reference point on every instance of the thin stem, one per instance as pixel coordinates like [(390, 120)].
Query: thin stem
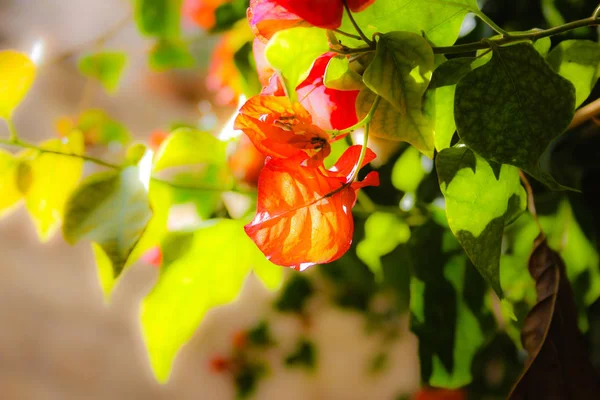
[(585, 113), (349, 50), (488, 21), (530, 200), (516, 37), (360, 32), (25, 145), (350, 35), (361, 158), (596, 12), (360, 123), (12, 130)]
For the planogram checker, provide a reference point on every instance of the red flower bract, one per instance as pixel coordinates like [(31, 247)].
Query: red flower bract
[(267, 17), (304, 214), (322, 13)]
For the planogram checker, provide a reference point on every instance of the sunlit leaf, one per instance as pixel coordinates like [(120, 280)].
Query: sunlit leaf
[(112, 210), (97, 127), (170, 54), (53, 180), (408, 172), (439, 20), (104, 270), (204, 274), (158, 18), (481, 198), (383, 233), (187, 147), (579, 62), (415, 128), (510, 109), (401, 70), (10, 193), (444, 80), (17, 72), (292, 53), (106, 67), (339, 75)]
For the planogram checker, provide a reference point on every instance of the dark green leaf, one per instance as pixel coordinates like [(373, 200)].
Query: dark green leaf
[(294, 294), (228, 13), (245, 64), (159, 18), (303, 356), (106, 67), (511, 108), (170, 54), (579, 62)]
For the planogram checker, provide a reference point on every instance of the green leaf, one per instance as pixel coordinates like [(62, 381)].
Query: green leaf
[(246, 66), (401, 70), (10, 194), (169, 54), (208, 274), (443, 83), (104, 269), (53, 180), (292, 52), (340, 75), (579, 62), (388, 123), (439, 20), (228, 13), (444, 292), (187, 147), (99, 127), (303, 356), (408, 172), (160, 18), (481, 198), (17, 73), (511, 108), (106, 67), (383, 233), (111, 209)]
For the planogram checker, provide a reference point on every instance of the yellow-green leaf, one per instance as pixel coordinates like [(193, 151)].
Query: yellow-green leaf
[(207, 272), (17, 72), (187, 147), (106, 67), (53, 178), (9, 190), (111, 209)]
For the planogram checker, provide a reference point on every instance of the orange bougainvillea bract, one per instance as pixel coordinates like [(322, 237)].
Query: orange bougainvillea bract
[(304, 214)]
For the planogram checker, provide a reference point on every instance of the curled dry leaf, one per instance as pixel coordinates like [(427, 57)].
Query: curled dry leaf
[(304, 214), (558, 366)]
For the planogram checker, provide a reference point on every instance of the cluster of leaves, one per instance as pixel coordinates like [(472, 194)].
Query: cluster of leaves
[(451, 204)]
